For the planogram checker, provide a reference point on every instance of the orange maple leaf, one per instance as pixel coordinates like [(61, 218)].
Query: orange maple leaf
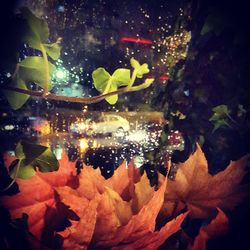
[(118, 212), (217, 227), (37, 194), (201, 192)]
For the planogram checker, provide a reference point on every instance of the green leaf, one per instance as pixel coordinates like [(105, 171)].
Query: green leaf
[(134, 63), (121, 77), (34, 156), (53, 50), (100, 77), (46, 162), (25, 171), (29, 151), (19, 151), (15, 99), (215, 22), (220, 112), (38, 29), (105, 83), (140, 69), (219, 124), (32, 69), (113, 98), (219, 118)]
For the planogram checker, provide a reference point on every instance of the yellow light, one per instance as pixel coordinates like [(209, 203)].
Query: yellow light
[(83, 145)]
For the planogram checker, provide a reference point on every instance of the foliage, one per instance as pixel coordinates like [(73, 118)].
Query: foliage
[(106, 83), (33, 69), (111, 212), (218, 226), (201, 192), (87, 210), (209, 88), (39, 70), (28, 158), (31, 156)]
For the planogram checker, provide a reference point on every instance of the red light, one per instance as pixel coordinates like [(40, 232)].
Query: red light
[(161, 78), (136, 40), (164, 78)]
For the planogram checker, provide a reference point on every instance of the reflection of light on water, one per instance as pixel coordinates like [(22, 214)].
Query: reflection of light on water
[(94, 144), (41, 125), (139, 161), (83, 144), (138, 136)]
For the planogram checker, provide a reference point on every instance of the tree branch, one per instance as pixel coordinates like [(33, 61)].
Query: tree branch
[(84, 100)]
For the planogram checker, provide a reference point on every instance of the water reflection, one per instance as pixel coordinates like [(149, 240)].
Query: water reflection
[(100, 139)]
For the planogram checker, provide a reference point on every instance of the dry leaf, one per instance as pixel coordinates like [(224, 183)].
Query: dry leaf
[(118, 212), (37, 194), (201, 192), (217, 227)]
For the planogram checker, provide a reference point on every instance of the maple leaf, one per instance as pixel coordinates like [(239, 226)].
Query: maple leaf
[(201, 192), (37, 194), (118, 212), (217, 227)]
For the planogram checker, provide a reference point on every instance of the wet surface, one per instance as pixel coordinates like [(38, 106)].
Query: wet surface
[(106, 150)]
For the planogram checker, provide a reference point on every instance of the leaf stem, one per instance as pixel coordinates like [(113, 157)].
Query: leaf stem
[(46, 70), (14, 177), (84, 100), (232, 120), (132, 78)]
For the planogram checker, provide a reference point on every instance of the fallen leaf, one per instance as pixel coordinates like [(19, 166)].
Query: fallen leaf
[(37, 194), (217, 227), (152, 240), (201, 192), (118, 212)]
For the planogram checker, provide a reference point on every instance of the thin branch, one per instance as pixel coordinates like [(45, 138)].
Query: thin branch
[(84, 100)]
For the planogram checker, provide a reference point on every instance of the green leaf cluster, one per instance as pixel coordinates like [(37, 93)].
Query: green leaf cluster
[(31, 157), (105, 83), (34, 69), (138, 68), (219, 117)]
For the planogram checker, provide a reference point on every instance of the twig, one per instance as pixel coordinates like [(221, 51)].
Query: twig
[(84, 100)]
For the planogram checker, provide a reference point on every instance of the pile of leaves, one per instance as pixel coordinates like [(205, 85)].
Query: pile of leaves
[(124, 212)]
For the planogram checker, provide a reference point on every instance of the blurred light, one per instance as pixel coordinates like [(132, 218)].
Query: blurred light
[(58, 152), (164, 78), (136, 40), (138, 136), (9, 127), (83, 143), (60, 8), (61, 74)]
